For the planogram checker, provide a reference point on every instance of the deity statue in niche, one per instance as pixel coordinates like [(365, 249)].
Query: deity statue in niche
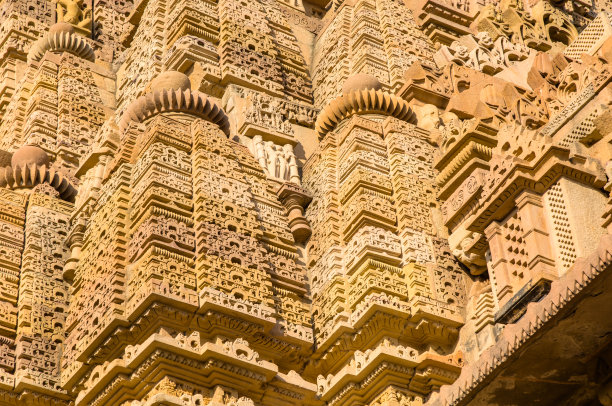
[(74, 12), (277, 161)]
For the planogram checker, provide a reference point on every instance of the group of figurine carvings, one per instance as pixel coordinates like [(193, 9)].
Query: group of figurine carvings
[(231, 202)]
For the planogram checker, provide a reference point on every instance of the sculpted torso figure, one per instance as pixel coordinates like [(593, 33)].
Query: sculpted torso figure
[(71, 11)]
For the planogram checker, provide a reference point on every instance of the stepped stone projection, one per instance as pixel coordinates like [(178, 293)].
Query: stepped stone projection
[(301, 202)]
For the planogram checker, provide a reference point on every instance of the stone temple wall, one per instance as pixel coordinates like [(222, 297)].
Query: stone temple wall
[(300, 202)]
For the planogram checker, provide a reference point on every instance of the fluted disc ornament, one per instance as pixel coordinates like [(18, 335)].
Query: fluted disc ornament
[(30, 167), (170, 92), (61, 38), (362, 94)]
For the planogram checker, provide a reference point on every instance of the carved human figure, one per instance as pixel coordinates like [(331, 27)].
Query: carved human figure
[(71, 12), (450, 130), (429, 117), (461, 53), (484, 40), (292, 168), (260, 153), (481, 57), (475, 262), (277, 161)]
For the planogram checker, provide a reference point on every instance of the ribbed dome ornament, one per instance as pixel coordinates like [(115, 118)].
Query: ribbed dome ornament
[(29, 167), (61, 38), (175, 98), (368, 100)]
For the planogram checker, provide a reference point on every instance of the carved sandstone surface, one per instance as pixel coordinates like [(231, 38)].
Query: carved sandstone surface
[(171, 92), (361, 95), (316, 203), (61, 38)]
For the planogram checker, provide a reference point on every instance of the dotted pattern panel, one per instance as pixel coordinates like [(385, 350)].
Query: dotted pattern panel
[(581, 131), (516, 249), (562, 233), (591, 38)]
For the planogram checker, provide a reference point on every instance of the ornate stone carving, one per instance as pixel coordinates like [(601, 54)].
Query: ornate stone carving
[(255, 203), (542, 27), (480, 53), (362, 96), (61, 38), (277, 161), (295, 201), (75, 13), (171, 92), (30, 167)]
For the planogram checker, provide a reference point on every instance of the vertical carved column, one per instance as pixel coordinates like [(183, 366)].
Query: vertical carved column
[(522, 261), (229, 263), (502, 287), (162, 243), (81, 109), (40, 127), (325, 259), (12, 243), (541, 261), (97, 303), (74, 241), (396, 264), (43, 296), (436, 280), (295, 200), (16, 39)]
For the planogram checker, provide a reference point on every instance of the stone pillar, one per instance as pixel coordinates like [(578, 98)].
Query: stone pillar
[(499, 263), (522, 263), (535, 234), (295, 200)]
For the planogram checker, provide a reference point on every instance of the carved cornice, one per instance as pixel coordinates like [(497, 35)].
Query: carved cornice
[(555, 163), (471, 151), (192, 355), (370, 101)]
